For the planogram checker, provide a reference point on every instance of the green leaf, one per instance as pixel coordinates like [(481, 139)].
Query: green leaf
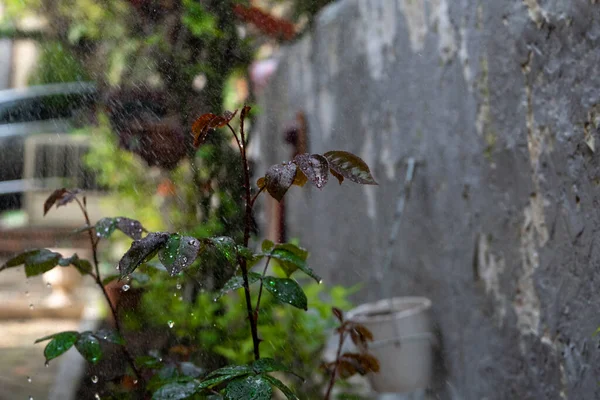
[(269, 365), (224, 245), (148, 362), (287, 291), (83, 266), (109, 279), (110, 336), (142, 250), (41, 262), (89, 347), (267, 245), (19, 259), (231, 370), (249, 388), (350, 166), (280, 385), (179, 253), (292, 258), (175, 391), (279, 178), (105, 227), (60, 343), (237, 282), (315, 167)]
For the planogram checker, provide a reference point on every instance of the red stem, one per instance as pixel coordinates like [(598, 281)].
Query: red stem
[(335, 367)]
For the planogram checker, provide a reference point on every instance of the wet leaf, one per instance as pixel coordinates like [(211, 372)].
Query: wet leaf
[(40, 262), (281, 386), (237, 282), (179, 253), (130, 227), (279, 178), (291, 258), (350, 166), (264, 365), (249, 388), (231, 370), (89, 347), (148, 362), (361, 363), (315, 167), (141, 250), (110, 336), (287, 291), (360, 335), (60, 197), (105, 227), (60, 343), (224, 245), (175, 391), (338, 176), (209, 383), (300, 179), (203, 125), (68, 197), (83, 266)]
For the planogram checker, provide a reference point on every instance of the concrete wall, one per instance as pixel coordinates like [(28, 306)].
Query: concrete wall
[(501, 100)]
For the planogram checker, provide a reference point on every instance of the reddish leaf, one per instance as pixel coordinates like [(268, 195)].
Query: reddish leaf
[(315, 167), (60, 197), (260, 183), (300, 179), (339, 177), (267, 24), (245, 112), (279, 178), (206, 122), (350, 166), (338, 314)]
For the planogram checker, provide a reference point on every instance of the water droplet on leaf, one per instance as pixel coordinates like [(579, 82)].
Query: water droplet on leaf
[(125, 288), (29, 379), (31, 306), (171, 324), (95, 379)]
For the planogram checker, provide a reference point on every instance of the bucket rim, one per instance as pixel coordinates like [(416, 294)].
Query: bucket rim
[(360, 313)]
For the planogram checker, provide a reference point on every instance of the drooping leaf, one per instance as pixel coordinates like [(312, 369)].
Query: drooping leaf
[(261, 182), (360, 335), (248, 388), (281, 386), (110, 336), (179, 253), (40, 262), (279, 178), (175, 391), (267, 245), (214, 381), (202, 126), (141, 250), (350, 166), (89, 347), (287, 291), (60, 343), (68, 197), (338, 176), (237, 282), (231, 370), (60, 197), (83, 266), (361, 363), (315, 167)]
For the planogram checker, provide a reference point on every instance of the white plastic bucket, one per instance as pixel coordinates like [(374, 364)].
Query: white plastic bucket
[(403, 342)]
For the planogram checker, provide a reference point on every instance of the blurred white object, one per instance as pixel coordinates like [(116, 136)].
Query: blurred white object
[(403, 342), (261, 71)]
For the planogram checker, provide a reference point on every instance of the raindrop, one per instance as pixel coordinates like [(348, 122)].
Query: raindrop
[(184, 259), (135, 382), (97, 396), (29, 379), (46, 364), (320, 281), (178, 286), (48, 285), (27, 293), (31, 306), (171, 324), (180, 298), (125, 288), (30, 397), (94, 379)]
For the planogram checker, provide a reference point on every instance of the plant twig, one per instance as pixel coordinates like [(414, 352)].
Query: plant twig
[(260, 290), (336, 365), (98, 279), (256, 195), (247, 225)]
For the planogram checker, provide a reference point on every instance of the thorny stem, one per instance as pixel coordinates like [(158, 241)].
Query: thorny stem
[(260, 290), (247, 224), (336, 365), (98, 280)]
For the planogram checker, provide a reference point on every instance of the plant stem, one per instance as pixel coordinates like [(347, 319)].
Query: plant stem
[(260, 290), (247, 225), (98, 280), (335, 367)]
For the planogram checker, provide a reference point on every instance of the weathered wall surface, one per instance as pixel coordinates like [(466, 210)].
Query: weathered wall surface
[(501, 100)]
